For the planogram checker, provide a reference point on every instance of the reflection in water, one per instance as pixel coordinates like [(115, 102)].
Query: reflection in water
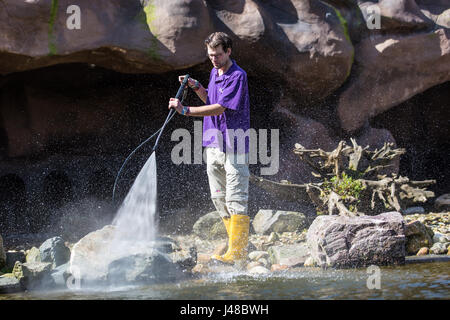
[(412, 281)]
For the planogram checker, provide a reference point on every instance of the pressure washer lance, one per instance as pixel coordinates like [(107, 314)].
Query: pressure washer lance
[(182, 90)]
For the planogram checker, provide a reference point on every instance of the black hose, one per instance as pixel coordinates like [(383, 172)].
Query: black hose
[(181, 90)]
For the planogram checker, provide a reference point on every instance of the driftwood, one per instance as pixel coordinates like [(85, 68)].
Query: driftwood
[(358, 167)]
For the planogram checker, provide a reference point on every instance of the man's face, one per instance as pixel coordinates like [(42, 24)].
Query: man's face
[(218, 57)]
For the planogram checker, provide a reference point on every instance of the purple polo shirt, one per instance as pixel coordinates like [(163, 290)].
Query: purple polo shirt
[(230, 90)]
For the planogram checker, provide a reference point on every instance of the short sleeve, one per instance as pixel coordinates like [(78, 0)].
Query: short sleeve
[(231, 94)]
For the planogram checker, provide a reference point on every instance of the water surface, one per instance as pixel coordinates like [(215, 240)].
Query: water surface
[(411, 281)]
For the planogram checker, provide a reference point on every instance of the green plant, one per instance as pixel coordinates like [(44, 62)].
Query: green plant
[(347, 187)]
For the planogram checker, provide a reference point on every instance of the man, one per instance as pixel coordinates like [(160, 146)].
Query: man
[(227, 109)]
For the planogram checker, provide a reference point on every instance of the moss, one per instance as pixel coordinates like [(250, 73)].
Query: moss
[(148, 17), (51, 24), (344, 25)]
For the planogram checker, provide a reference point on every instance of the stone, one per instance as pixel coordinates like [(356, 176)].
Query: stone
[(259, 270), (253, 264), (341, 242), (142, 268), (290, 255), (34, 275), (268, 221), (96, 260), (13, 256), (2, 254), (203, 258), (439, 237), (256, 255), (418, 235), (442, 202), (413, 210), (185, 258), (201, 269), (9, 284), (60, 275), (309, 262), (169, 35), (366, 96), (264, 262), (438, 248), (54, 250), (422, 252), (33, 255), (210, 226), (273, 237), (220, 249), (278, 267)]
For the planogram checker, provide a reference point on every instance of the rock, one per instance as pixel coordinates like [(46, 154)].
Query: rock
[(13, 256), (2, 254), (253, 264), (33, 255), (9, 284), (169, 35), (367, 95), (201, 269), (99, 259), (309, 262), (338, 241), (442, 202), (210, 226), (34, 275), (259, 270), (54, 251), (264, 262), (185, 258), (142, 268), (418, 235), (256, 255), (221, 249), (438, 248), (289, 255), (273, 237), (203, 258), (267, 221), (422, 252), (439, 237), (278, 267), (60, 275), (413, 210)]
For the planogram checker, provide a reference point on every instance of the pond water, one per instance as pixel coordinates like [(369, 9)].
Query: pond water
[(410, 281)]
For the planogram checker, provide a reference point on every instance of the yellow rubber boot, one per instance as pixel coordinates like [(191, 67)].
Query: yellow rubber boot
[(226, 222), (238, 239)]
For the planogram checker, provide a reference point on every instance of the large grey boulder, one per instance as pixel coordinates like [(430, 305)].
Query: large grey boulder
[(100, 259), (268, 221), (289, 255), (338, 241), (210, 226), (54, 251), (33, 275)]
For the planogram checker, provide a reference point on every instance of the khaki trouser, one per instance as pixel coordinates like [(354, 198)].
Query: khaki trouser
[(228, 177)]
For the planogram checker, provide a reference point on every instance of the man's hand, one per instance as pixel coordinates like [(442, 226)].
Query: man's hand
[(191, 82), (175, 104)]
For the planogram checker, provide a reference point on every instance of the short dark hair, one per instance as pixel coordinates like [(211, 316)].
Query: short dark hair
[(219, 38)]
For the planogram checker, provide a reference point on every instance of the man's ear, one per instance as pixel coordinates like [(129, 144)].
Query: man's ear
[(229, 51)]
